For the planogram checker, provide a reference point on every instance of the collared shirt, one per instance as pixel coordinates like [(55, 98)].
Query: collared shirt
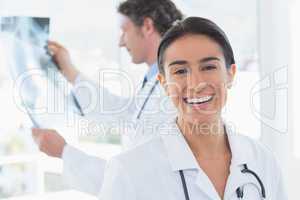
[(150, 75), (151, 171), (152, 71)]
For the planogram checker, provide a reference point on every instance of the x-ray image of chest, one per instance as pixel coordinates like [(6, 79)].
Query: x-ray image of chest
[(25, 40)]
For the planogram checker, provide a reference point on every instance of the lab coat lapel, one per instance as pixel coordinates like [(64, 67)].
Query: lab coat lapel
[(179, 154), (241, 154), (181, 158), (206, 186)]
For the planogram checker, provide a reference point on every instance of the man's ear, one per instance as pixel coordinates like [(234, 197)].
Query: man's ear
[(148, 26), (231, 71)]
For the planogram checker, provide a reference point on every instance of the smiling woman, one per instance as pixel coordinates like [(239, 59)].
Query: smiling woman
[(197, 156), (196, 78), (200, 66)]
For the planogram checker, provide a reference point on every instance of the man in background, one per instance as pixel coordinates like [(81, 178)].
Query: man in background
[(143, 23)]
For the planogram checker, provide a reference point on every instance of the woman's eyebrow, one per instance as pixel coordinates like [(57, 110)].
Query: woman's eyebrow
[(178, 62), (203, 60)]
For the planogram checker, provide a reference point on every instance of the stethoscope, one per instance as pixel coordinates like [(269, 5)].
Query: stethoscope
[(239, 190), (146, 100)]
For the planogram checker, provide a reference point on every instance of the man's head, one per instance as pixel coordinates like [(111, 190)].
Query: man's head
[(143, 22)]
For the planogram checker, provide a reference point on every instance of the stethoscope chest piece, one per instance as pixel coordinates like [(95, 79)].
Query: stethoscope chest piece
[(240, 190)]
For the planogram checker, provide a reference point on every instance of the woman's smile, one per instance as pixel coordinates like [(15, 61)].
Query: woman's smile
[(198, 103)]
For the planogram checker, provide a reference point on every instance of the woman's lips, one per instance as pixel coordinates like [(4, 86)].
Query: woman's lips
[(199, 102)]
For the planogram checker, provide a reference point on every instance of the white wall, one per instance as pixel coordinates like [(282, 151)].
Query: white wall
[(294, 99), (277, 52)]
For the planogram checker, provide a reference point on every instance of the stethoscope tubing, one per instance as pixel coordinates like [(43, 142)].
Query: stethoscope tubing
[(239, 190)]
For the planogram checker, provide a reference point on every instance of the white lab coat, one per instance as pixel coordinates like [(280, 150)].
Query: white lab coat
[(84, 172), (151, 171)]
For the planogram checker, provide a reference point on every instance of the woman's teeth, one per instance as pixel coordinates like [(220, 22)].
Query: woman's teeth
[(198, 100)]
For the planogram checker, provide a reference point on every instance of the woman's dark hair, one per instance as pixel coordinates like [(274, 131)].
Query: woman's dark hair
[(162, 12), (195, 26)]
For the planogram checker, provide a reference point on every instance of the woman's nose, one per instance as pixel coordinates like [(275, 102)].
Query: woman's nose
[(195, 82)]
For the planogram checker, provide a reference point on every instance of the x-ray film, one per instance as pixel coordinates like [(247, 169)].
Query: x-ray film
[(25, 42)]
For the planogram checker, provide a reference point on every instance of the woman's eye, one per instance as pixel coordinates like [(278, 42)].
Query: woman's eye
[(209, 67), (180, 71)]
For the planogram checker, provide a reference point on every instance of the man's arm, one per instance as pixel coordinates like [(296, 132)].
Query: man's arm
[(49, 141), (117, 184), (61, 57), (97, 103), (84, 172), (80, 170)]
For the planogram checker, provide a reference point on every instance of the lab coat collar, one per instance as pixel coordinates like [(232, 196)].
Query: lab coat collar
[(179, 153), (181, 156)]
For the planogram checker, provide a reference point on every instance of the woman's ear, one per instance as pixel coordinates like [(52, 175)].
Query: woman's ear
[(162, 80), (231, 71)]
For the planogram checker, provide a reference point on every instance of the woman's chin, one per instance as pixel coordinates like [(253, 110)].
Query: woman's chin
[(199, 119)]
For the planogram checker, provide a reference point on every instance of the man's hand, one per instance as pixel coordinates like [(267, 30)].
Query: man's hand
[(62, 58), (49, 141)]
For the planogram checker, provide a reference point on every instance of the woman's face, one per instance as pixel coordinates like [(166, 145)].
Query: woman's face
[(196, 78)]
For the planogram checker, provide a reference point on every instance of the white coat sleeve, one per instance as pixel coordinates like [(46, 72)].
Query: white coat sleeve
[(117, 184), (280, 190), (81, 171), (99, 104)]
